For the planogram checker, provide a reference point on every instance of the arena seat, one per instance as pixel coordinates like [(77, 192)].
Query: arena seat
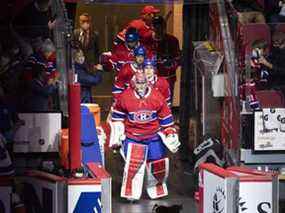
[(280, 27), (261, 3), (253, 32), (270, 98)]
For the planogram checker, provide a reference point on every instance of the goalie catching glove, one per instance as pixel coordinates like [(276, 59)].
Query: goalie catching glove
[(170, 139), (117, 135)]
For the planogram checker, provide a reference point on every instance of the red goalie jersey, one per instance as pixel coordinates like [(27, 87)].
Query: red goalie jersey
[(143, 117)]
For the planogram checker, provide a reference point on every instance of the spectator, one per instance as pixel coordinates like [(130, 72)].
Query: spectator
[(86, 39), (32, 24), (46, 57), (279, 17), (276, 62), (85, 78), (40, 90), (259, 56), (249, 11)]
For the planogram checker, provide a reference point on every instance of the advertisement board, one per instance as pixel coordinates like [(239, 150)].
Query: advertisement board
[(255, 197), (269, 130), (218, 190), (90, 194), (46, 190), (40, 132), (258, 190), (84, 196)]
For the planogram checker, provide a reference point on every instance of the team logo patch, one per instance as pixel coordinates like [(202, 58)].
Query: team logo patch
[(219, 201), (143, 116)]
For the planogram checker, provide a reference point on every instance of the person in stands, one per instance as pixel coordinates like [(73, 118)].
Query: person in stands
[(275, 63), (32, 24), (40, 89), (87, 39), (279, 16), (86, 79), (260, 55)]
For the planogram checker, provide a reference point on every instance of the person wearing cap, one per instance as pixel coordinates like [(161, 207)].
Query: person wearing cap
[(87, 39), (166, 48), (143, 24)]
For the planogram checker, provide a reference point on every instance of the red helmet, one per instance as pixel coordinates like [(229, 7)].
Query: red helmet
[(139, 83)]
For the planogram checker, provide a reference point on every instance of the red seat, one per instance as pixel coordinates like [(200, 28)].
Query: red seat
[(270, 98), (253, 32)]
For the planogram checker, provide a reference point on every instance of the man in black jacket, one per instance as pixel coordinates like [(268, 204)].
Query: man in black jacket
[(276, 61), (87, 39)]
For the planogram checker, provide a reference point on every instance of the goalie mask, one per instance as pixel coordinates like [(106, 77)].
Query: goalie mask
[(139, 84)]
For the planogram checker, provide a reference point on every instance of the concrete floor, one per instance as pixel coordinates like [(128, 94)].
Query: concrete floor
[(145, 205), (180, 185)]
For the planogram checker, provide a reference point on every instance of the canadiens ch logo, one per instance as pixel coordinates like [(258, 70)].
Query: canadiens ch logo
[(143, 116), (219, 201), (242, 205)]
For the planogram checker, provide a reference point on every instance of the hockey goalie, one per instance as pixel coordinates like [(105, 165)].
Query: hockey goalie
[(142, 125)]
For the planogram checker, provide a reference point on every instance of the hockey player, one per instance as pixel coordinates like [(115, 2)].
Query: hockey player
[(142, 124), (125, 75), (143, 25), (124, 52), (158, 83), (166, 47)]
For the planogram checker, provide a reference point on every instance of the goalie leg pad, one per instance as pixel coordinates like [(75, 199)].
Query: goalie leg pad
[(157, 174), (156, 149), (134, 171)]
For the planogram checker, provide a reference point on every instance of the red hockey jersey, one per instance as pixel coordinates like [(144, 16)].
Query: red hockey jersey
[(121, 55), (143, 117), (124, 78), (168, 54), (145, 31), (161, 85)]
